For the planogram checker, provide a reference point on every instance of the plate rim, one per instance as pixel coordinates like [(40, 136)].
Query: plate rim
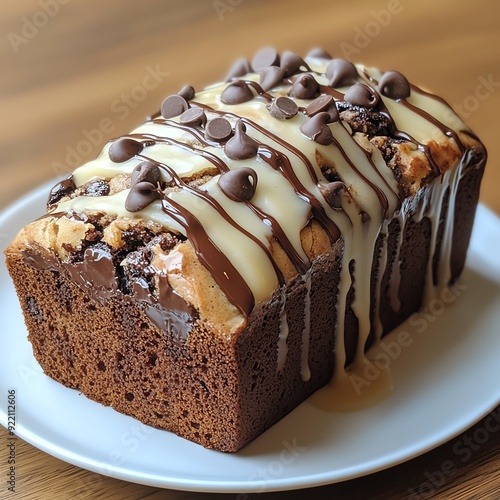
[(231, 485)]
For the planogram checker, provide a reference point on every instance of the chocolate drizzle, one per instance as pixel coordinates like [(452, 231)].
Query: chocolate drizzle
[(449, 132), (213, 128), (226, 275)]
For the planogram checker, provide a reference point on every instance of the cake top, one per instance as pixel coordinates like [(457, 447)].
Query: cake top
[(260, 173)]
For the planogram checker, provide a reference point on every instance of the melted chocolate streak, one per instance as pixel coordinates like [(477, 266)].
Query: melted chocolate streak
[(216, 262)]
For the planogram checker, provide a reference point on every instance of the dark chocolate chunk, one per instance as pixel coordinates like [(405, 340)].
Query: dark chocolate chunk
[(97, 188), (96, 272), (291, 63), (323, 103), (319, 54), (124, 149), (60, 190), (239, 184), (193, 117), (394, 85), (264, 58), (270, 77), (362, 95), (236, 93), (173, 105), (332, 192), (145, 172), (241, 146), (187, 92), (341, 73), (218, 129), (141, 195), (283, 108), (316, 129), (240, 68), (304, 87)]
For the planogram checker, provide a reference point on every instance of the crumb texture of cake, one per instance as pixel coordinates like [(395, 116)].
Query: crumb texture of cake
[(209, 271)]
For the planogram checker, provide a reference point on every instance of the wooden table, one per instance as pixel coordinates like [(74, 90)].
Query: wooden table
[(73, 76)]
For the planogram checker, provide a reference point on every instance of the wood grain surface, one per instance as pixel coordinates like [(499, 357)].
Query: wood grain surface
[(76, 73)]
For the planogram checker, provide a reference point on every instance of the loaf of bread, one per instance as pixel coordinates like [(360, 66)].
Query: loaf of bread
[(209, 271)]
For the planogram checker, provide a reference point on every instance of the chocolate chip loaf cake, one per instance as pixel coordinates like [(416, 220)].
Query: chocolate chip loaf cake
[(209, 271)]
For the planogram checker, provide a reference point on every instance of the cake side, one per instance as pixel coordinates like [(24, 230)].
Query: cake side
[(305, 206)]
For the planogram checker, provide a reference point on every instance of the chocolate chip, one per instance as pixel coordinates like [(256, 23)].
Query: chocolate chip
[(140, 196), (97, 188), (241, 146), (218, 130), (60, 190), (173, 105), (240, 68), (362, 95), (193, 117), (319, 54), (124, 149), (332, 192), (304, 87), (145, 171), (394, 85), (239, 184), (236, 93), (291, 63), (283, 108), (316, 129), (341, 73), (323, 103), (187, 92), (270, 77), (264, 58)]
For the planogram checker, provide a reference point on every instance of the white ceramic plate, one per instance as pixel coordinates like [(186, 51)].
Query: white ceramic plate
[(446, 380)]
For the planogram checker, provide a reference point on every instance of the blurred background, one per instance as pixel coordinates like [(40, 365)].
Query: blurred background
[(76, 73)]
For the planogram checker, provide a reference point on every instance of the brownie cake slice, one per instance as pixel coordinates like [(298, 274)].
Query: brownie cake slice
[(212, 269)]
